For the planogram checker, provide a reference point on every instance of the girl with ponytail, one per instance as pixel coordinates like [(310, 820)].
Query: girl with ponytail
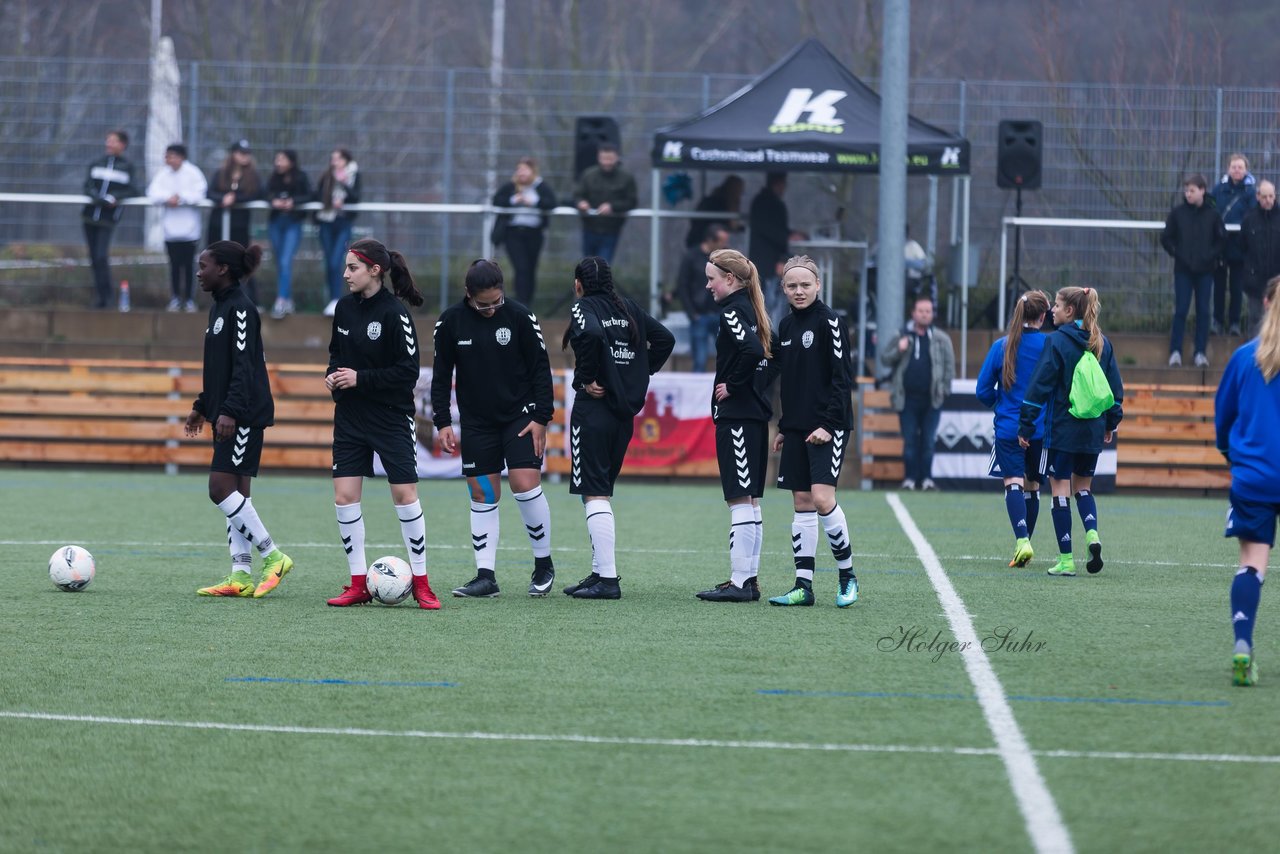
[(741, 409), (1002, 383), (1246, 411), (1073, 442), (373, 369), (617, 346), (236, 401)]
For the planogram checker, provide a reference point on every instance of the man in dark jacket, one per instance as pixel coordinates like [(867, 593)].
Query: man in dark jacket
[(691, 289), (110, 179), (604, 194), (1195, 237), (1233, 196), (1260, 241), (770, 240)]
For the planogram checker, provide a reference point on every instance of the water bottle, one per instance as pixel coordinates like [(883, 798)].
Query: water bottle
[(124, 294)]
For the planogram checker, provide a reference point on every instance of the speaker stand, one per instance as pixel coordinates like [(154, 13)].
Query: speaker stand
[(1016, 284)]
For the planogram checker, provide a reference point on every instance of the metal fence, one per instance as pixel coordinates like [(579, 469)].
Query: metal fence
[(426, 135)]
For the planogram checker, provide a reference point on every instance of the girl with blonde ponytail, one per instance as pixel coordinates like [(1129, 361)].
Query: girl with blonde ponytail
[(1002, 382), (741, 410), (1245, 414), (1073, 443)]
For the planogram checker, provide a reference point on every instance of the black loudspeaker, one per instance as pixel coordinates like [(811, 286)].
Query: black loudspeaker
[(588, 133), (1018, 154)]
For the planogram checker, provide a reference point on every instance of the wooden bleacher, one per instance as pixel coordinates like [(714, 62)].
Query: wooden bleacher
[(130, 412), (1166, 440)]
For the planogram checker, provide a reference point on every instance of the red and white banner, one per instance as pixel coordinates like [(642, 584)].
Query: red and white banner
[(674, 433)]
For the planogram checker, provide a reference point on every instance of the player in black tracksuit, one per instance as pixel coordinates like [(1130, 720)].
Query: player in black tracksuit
[(814, 430), (373, 369), (741, 411), (236, 400), (505, 401), (617, 346)]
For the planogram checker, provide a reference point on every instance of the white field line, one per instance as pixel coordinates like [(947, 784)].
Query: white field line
[(521, 546), (1039, 811), (552, 738)]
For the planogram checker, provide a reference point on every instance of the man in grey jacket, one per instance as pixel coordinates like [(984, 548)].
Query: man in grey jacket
[(923, 365), (604, 194)]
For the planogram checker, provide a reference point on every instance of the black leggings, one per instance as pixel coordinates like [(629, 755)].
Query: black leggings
[(182, 272)]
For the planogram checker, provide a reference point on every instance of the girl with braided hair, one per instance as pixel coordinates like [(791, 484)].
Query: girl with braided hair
[(741, 410), (617, 346), (373, 369), (236, 401), (1002, 382)]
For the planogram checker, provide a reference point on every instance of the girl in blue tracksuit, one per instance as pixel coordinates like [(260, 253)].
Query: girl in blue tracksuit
[(1245, 414), (1073, 443), (1002, 384)]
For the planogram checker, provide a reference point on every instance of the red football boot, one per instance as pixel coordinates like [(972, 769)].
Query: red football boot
[(357, 593), (423, 593)]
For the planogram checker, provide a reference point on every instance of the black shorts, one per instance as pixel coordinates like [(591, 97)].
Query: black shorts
[(240, 454), (742, 449), (1065, 464), (598, 442), (361, 431), (803, 464), (1009, 459), (485, 449)]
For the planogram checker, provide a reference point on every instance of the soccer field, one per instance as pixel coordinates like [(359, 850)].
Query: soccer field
[(1094, 713)]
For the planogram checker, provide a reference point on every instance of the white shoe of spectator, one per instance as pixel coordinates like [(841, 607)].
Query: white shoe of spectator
[(280, 308), (190, 307), (1202, 361), (331, 308), (909, 485), (175, 304), (1175, 359), (927, 485)]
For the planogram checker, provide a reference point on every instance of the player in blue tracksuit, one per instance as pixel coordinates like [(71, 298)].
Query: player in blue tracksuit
[(1246, 412), (1002, 384), (1073, 443)]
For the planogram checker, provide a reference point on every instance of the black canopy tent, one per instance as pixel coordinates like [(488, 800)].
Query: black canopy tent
[(807, 113)]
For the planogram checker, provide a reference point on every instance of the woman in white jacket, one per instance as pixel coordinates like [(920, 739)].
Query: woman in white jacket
[(179, 187)]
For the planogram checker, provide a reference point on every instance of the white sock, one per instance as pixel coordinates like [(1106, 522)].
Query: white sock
[(351, 529), (484, 534), (536, 514), (838, 537), (742, 542), (414, 531), (240, 513), (241, 557), (600, 529), (759, 545), (804, 542)]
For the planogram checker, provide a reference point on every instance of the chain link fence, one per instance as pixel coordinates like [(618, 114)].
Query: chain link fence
[(435, 134)]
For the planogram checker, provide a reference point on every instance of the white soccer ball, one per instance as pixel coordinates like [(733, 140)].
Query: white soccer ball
[(390, 580), (71, 568)]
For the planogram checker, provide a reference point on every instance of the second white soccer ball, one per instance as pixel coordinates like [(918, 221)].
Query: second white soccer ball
[(390, 580), (71, 568)]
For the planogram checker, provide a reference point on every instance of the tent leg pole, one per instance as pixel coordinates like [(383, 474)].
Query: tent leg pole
[(964, 286), (654, 243)]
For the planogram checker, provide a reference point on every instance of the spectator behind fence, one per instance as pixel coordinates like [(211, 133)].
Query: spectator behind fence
[(1260, 240), (604, 194), (923, 365), (1234, 196), (179, 186), (523, 233), (338, 187), (236, 181), (770, 241), (1194, 236), (109, 180), (726, 197), (288, 189), (695, 298)]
